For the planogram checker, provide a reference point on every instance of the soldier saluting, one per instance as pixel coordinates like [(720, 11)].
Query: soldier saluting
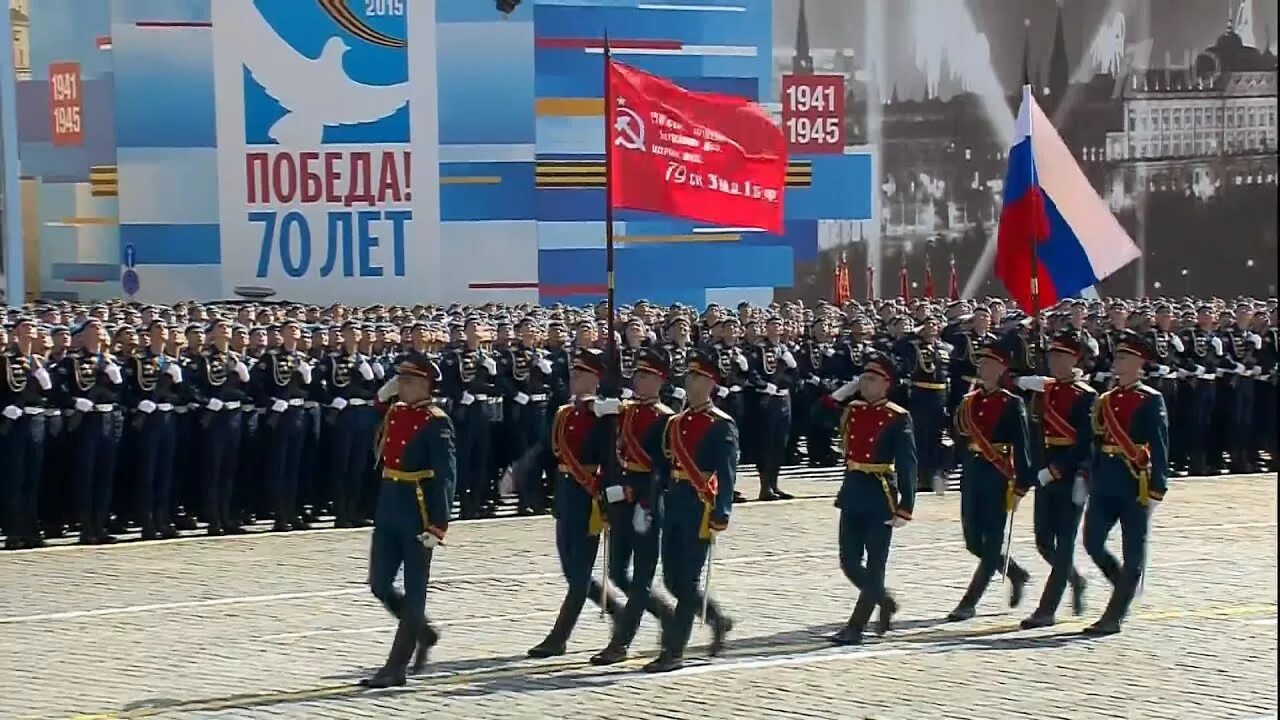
[(416, 448), (1129, 477)]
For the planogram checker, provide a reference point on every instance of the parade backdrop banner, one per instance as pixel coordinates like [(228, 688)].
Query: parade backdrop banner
[(433, 150)]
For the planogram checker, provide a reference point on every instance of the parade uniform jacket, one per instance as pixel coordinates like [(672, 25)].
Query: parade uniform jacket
[(992, 426), (924, 362), (701, 447), (279, 377), (1132, 427), (84, 375), (147, 379), (579, 446), (880, 460), (215, 374), (18, 385), (1066, 416), (640, 427), (342, 378), (415, 445)]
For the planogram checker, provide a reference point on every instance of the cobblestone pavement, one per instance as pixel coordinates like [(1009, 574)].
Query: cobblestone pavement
[(282, 626)]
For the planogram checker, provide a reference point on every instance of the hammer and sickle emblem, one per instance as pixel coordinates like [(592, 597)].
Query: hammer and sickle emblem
[(628, 129)]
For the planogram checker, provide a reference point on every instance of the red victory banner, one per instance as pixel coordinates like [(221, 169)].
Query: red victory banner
[(813, 113), (904, 283), (841, 293), (700, 156)]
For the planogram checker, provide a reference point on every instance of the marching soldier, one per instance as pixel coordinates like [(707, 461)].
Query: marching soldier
[(773, 375), (222, 379), (24, 397), (997, 473), (700, 446), (1067, 408), (634, 518), (351, 384), (578, 444), (94, 385), (1129, 477), (415, 447), (878, 492), (285, 380), (152, 377)]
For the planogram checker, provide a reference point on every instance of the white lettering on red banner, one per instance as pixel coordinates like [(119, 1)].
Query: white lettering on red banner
[(813, 113), (65, 104)]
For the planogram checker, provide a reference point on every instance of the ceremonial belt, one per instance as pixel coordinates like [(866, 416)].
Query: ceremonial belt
[(705, 485), (633, 449), (1064, 435), (923, 385), (1136, 457), (584, 475), (413, 476), (884, 472), (995, 453)]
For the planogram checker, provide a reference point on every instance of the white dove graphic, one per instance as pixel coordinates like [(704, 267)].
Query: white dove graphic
[(314, 93)]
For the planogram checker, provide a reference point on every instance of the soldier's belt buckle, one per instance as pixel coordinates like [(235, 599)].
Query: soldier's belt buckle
[(231, 405), (481, 398), (735, 388), (164, 407), (104, 407), (538, 398), (32, 411), (51, 412), (357, 402), (295, 402), (310, 404)]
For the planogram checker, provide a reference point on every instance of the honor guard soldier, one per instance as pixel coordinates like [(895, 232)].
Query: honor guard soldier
[(992, 422), (416, 450), (634, 519), (285, 382), (700, 447), (351, 385), (579, 445), (222, 378), (469, 383), (1067, 410), (1129, 477), (94, 384), (878, 493), (152, 380), (25, 395)]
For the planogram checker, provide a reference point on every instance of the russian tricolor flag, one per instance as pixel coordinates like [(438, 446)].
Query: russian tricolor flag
[(1053, 226)]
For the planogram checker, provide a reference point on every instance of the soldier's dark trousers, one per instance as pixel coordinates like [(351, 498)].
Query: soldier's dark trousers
[(395, 544), (22, 444), (928, 417), (982, 519), (577, 548), (684, 555), (96, 439), (221, 461), (1102, 514), (639, 551), (313, 472), (283, 461), (472, 457), (864, 534), (1265, 404), (184, 488), (1203, 402), (57, 496), (350, 455), (250, 497), (1240, 438), (153, 448), (775, 432), (531, 434), (1057, 522)]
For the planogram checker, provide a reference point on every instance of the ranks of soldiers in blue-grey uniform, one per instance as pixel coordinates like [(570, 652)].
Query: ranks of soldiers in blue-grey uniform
[(630, 351), (991, 422), (879, 488), (351, 380), (532, 385), (1205, 355), (26, 397), (1265, 386), (152, 390), (415, 447), (695, 482), (94, 382), (634, 517), (220, 381), (284, 379), (772, 376), (578, 444), (1242, 346), (1129, 476), (817, 372), (925, 360), (677, 347), (470, 383), (1066, 408)]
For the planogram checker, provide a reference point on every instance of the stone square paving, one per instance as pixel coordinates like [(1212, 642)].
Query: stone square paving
[(282, 626)]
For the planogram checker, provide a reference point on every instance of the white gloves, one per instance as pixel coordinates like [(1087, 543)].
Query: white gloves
[(507, 484), (113, 373), (1152, 504), (365, 371), (378, 371), (1079, 491), (12, 412), (1238, 369), (42, 376), (338, 403), (1199, 369), (428, 540), (304, 370), (174, 371), (615, 493), (606, 406), (678, 393), (771, 389), (521, 399), (1044, 476), (896, 521), (490, 366), (845, 391), (214, 404), (467, 398), (828, 351), (242, 371), (146, 406), (545, 366), (741, 360), (640, 520), (1256, 371), (1216, 342), (1176, 342), (722, 391), (628, 393), (1163, 370), (389, 390), (1100, 377), (1255, 340), (1034, 383), (279, 406), (83, 404), (789, 359)]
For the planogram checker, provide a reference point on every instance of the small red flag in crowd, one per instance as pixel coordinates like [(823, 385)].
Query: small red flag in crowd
[(928, 278), (904, 283), (953, 286), (700, 156), (871, 283), (841, 292)]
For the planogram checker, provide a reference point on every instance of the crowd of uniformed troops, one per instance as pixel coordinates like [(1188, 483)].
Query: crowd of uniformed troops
[(122, 415)]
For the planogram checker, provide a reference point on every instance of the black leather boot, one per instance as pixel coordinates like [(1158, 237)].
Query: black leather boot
[(967, 607), (554, 644), (392, 673), (720, 624), (888, 608), (428, 636)]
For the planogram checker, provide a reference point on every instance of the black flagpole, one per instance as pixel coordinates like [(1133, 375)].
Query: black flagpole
[(613, 371)]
